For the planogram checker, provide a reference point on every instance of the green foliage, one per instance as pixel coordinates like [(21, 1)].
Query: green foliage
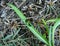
[(57, 23), (50, 36), (41, 37), (28, 24)]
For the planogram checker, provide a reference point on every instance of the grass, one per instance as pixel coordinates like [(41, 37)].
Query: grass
[(50, 31), (57, 23), (28, 24)]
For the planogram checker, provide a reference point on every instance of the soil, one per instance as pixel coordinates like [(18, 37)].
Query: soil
[(34, 10)]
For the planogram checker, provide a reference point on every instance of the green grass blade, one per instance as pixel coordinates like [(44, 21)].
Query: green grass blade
[(29, 25), (54, 28), (45, 24), (19, 13), (7, 37), (51, 20), (57, 23), (16, 33), (50, 36)]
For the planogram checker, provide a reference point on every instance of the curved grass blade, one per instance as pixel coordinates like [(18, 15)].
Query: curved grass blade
[(54, 28), (57, 23), (29, 25), (52, 20)]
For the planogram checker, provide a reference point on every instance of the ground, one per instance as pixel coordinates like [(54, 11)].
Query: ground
[(13, 32)]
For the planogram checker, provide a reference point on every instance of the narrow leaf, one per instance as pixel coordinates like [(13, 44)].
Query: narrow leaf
[(29, 25), (54, 28), (50, 36)]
